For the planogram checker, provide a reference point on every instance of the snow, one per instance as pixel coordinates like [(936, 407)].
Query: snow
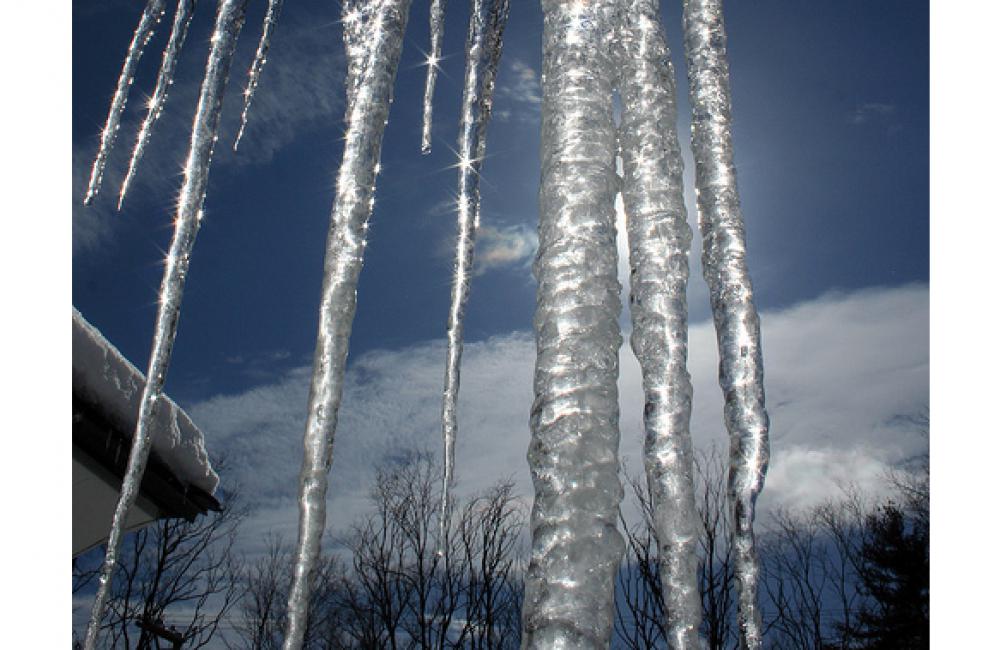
[(105, 378)]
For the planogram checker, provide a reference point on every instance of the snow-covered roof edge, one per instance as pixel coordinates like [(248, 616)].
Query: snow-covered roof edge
[(102, 375)]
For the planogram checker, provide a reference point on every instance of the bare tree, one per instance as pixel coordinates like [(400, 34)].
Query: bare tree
[(641, 621), (832, 575), (489, 531), (406, 587), (716, 573), (810, 584), (263, 609), (175, 579)]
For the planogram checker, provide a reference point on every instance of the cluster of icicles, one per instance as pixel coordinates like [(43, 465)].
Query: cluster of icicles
[(591, 49)]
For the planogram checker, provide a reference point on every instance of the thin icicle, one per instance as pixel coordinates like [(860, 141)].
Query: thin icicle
[(165, 78), (576, 546), (437, 35), (482, 57), (741, 370), (659, 241), (143, 32), (270, 18), (379, 40), (204, 131)]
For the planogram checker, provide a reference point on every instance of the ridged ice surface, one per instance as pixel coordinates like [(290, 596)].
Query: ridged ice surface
[(482, 57), (143, 32), (659, 241), (204, 131), (377, 37), (165, 78), (259, 59), (576, 547), (741, 371), (437, 35)]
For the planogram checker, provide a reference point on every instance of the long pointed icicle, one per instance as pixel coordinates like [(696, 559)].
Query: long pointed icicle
[(228, 24), (259, 59), (659, 241), (576, 546), (437, 35), (741, 369), (165, 78), (367, 112), (143, 32), (482, 57)]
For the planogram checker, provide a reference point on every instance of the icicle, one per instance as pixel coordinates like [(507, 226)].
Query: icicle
[(576, 547), (437, 35), (178, 32), (482, 56), (741, 372), (143, 32), (369, 97), (270, 18), (356, 18), (204, 131), (659, 240)]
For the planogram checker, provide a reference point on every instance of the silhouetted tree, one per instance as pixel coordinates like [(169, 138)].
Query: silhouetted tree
[(640, 620), (263, 609), (894, 569), (394, 583), (178, 575)]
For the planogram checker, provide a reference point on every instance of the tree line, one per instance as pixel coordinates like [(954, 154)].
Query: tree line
[(847, 574)]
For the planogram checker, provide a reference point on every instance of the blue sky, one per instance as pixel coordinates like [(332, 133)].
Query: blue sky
[(831, 138), (831, 131)]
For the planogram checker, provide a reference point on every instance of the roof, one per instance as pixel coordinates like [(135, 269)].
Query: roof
[(179, 480), (107, 381)]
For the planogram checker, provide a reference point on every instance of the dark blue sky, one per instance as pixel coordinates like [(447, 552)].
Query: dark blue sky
[(831, 137)]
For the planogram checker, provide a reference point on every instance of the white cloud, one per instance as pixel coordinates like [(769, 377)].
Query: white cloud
[(519, 93), (840, 371), (505, 247)]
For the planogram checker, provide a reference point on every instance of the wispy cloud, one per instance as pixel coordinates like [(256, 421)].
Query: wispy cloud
[(841, 369), (513, 246), (519, 94), (872, 111), (301, 88)]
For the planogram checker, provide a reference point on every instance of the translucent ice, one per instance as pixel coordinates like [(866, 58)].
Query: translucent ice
[(259, 59), (228, 23), (741, 369), (576, 546), (659, 240), (373, 40), (165, 78), (482, 57), (143, 32), (437, 35)]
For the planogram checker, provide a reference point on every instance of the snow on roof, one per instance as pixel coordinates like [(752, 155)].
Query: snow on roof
[(103, 377)]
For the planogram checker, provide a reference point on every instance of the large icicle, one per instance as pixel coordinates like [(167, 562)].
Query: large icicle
[(437, 35), (576, 547), (369, 97), (204, 131), (259, 59), (659, 240), (741, 371), (143, 32), (482, 57), (165, 78)]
